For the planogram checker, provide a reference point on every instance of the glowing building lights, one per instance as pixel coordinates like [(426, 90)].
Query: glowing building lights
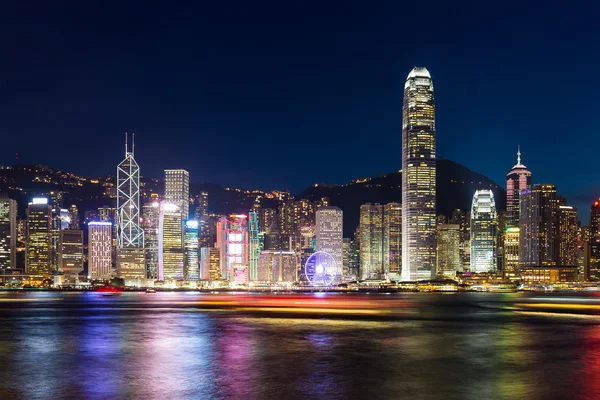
[(418, 177), (483, 232)]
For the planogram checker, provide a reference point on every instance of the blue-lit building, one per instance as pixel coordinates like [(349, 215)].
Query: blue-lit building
[(191, 246)]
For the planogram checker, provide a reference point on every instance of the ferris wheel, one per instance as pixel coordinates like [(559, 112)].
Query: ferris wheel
[(321, 269)]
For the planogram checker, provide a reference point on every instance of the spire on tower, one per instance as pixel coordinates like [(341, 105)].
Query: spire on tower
[(126, 149), (132, 143), (518, 154)]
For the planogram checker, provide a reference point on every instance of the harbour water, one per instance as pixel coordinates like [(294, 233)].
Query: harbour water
[(169, 346)]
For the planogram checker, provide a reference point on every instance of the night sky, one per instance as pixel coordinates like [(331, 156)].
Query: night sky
[(283, 94)]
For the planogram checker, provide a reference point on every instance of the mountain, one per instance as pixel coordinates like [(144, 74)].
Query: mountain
[(456, 185)]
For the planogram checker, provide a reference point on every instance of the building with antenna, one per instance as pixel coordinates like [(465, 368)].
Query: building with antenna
[(518, 179), (131, 262)]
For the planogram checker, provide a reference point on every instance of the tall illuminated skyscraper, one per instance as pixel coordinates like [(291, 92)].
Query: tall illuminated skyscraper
[(8, 233), (170, 243), (177, 190), (232, 239), (129, 230), (150, 224), (448, 250), (392, 239), (38, 252), (192, 251), (568, 227), (418, 177), (100, 249), (538, 223), (518, 179), (371, 241), (329, 232), (483, 232), (254, 245)]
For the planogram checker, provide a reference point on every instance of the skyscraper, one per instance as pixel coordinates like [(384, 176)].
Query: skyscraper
[(100, 249), (73, 214), (70, 254), (192, 251), (538, 222), (392, 239), (254, 245), (329, 232), (38, 257), (448, 250), (511, 252), (177, 190), (129, 231), (8, 233), (150, 224), (232, 239), (483, 232), (568, 227), (518, 179), (371, 241), (210, 263), (170, 243), (418, 177)]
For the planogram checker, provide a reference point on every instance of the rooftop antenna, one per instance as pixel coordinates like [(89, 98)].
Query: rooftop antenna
[(518, 154), (132, 143), (126, 148)]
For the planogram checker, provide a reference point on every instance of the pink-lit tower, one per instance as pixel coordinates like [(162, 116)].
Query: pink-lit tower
[(519, 178)]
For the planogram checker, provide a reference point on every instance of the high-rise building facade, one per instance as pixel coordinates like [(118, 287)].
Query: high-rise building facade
[(129, 230), (518, 179), (568, 228), (192, 251), (329, 232), (418, 177), (170, 243), (210, 263), (70, 253), (73, 218), (463, 220), (100, 249), (232, 239), (254, 245), (483, 232), (448, 250), (538, 223), (38, 252), (392, 240), (8, 233), (511, 252), (371, 241), (177, 190), (150, 224)]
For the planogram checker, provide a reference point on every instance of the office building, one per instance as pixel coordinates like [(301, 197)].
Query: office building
[(100, 250), (8, 233), (392, 240), (568, 228), (517, 180), (150, 225), (71, 254), (177, 190), (210, 263), (418, 177), (371, 241), (511, 253), (192, 253), (170, 243), (448, 250), (38, 251), (232, 239), (538, 223), (129, 230), (277, 266), (483, 232), (329, 233), (254, 245), (73, 215), (131, 265)]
